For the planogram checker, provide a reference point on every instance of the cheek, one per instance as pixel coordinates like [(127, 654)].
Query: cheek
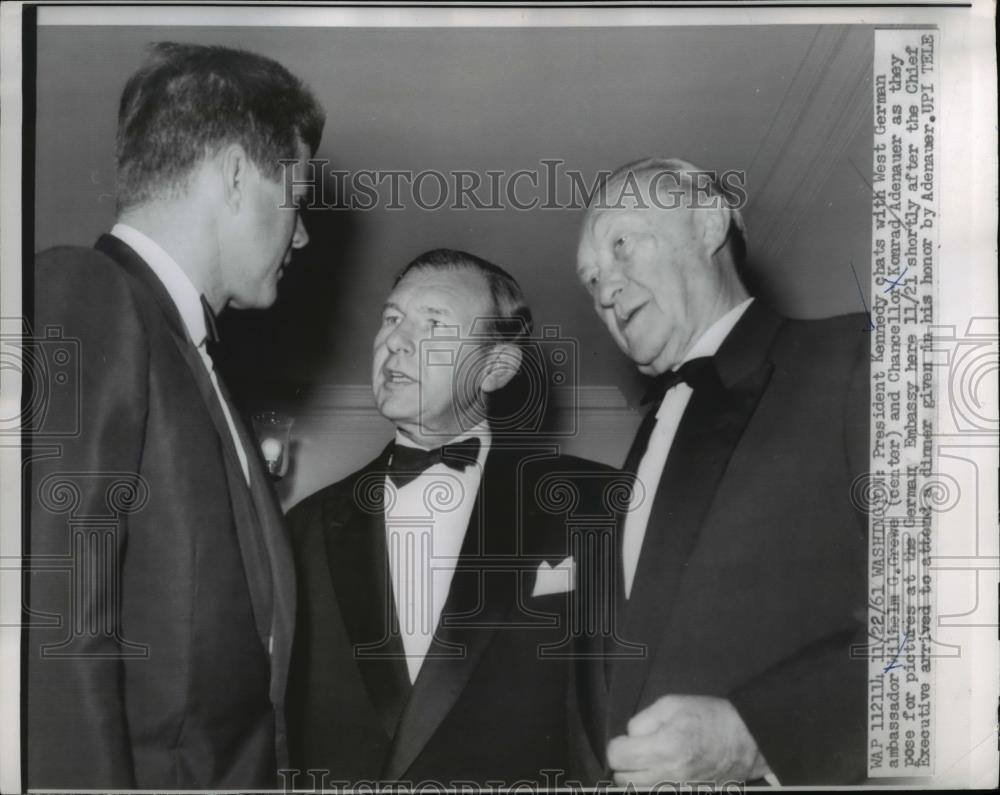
[(379, 353), (435, 383), (274, 231), (667, 292), (607, 316), (288, 227)]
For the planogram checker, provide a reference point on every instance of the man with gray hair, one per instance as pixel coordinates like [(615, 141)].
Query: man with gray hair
[(740, 570)]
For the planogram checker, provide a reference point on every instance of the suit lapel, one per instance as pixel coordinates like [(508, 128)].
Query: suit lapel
[(617, 584), (264, 546), (254, 551), (478, 601), (706, 438), (281, 566), (356, 552)]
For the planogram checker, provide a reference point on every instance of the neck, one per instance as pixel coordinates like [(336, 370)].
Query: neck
[(725, 303), (184, 231), (730, 293)]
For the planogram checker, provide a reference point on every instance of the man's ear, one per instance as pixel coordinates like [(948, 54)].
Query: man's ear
[(504, 362), (235, 167), (713, 224)]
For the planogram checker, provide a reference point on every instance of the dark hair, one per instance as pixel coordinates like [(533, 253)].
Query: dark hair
[(511, 320), (189, 100)]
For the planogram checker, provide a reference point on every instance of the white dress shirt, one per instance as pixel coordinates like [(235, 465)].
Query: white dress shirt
[(425, 525), (187, 299), (668, 419)]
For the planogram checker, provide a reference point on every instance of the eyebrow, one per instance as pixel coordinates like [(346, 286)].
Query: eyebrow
[(437, 311)]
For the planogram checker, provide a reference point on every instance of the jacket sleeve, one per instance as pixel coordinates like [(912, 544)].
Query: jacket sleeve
[(91, 384), (808, 713)]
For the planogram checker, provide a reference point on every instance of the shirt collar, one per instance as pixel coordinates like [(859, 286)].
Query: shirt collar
[(184, 294), (708, 344)]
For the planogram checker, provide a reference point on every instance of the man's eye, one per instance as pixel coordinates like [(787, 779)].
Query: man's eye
[(592, 281), (390, 320), (620, 244)]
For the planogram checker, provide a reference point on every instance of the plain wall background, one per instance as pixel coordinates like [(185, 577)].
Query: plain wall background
[(789, 104)]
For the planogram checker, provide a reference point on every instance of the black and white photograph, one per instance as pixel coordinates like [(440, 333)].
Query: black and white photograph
[(479, 399)]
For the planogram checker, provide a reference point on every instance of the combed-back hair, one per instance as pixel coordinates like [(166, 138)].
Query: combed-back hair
[(511, 317), (187, 101)]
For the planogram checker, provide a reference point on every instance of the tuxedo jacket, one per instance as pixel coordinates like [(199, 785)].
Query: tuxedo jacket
[(156, 579), (751, 582), (489, 702)]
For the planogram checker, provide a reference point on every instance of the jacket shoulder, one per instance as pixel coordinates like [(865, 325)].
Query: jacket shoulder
[(545, 456), (850, 324), (69, 262), (571, 466), (840, 342), (589, 485), (337, 499), (574, 463), (74, 280)]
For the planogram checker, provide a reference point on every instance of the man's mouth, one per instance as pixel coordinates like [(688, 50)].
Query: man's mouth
[(628, 317), (397, 377)]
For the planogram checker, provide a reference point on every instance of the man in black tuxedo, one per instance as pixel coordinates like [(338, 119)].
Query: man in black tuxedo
[(432, 637), (741, 567), (160, 590)]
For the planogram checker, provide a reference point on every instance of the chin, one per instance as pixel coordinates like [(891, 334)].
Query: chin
[(263, 301), (268, 299), (394, 410), (654, 365), (642, 359)]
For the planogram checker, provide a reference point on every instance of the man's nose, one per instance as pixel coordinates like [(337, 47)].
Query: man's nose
[(400, 341), (301, 237), (610, 286)]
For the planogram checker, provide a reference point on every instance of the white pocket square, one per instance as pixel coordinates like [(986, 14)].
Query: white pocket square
[(554, 579)]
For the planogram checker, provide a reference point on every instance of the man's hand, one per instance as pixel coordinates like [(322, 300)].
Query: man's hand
[(686, 738)]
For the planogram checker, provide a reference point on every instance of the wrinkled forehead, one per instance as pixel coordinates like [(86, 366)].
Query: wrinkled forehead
[(629, 213)]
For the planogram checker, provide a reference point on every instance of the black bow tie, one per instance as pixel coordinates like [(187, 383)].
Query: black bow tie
[(696, 373), (405, 463)]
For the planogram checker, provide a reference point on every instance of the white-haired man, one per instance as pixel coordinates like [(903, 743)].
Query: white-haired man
[(741, 568)]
